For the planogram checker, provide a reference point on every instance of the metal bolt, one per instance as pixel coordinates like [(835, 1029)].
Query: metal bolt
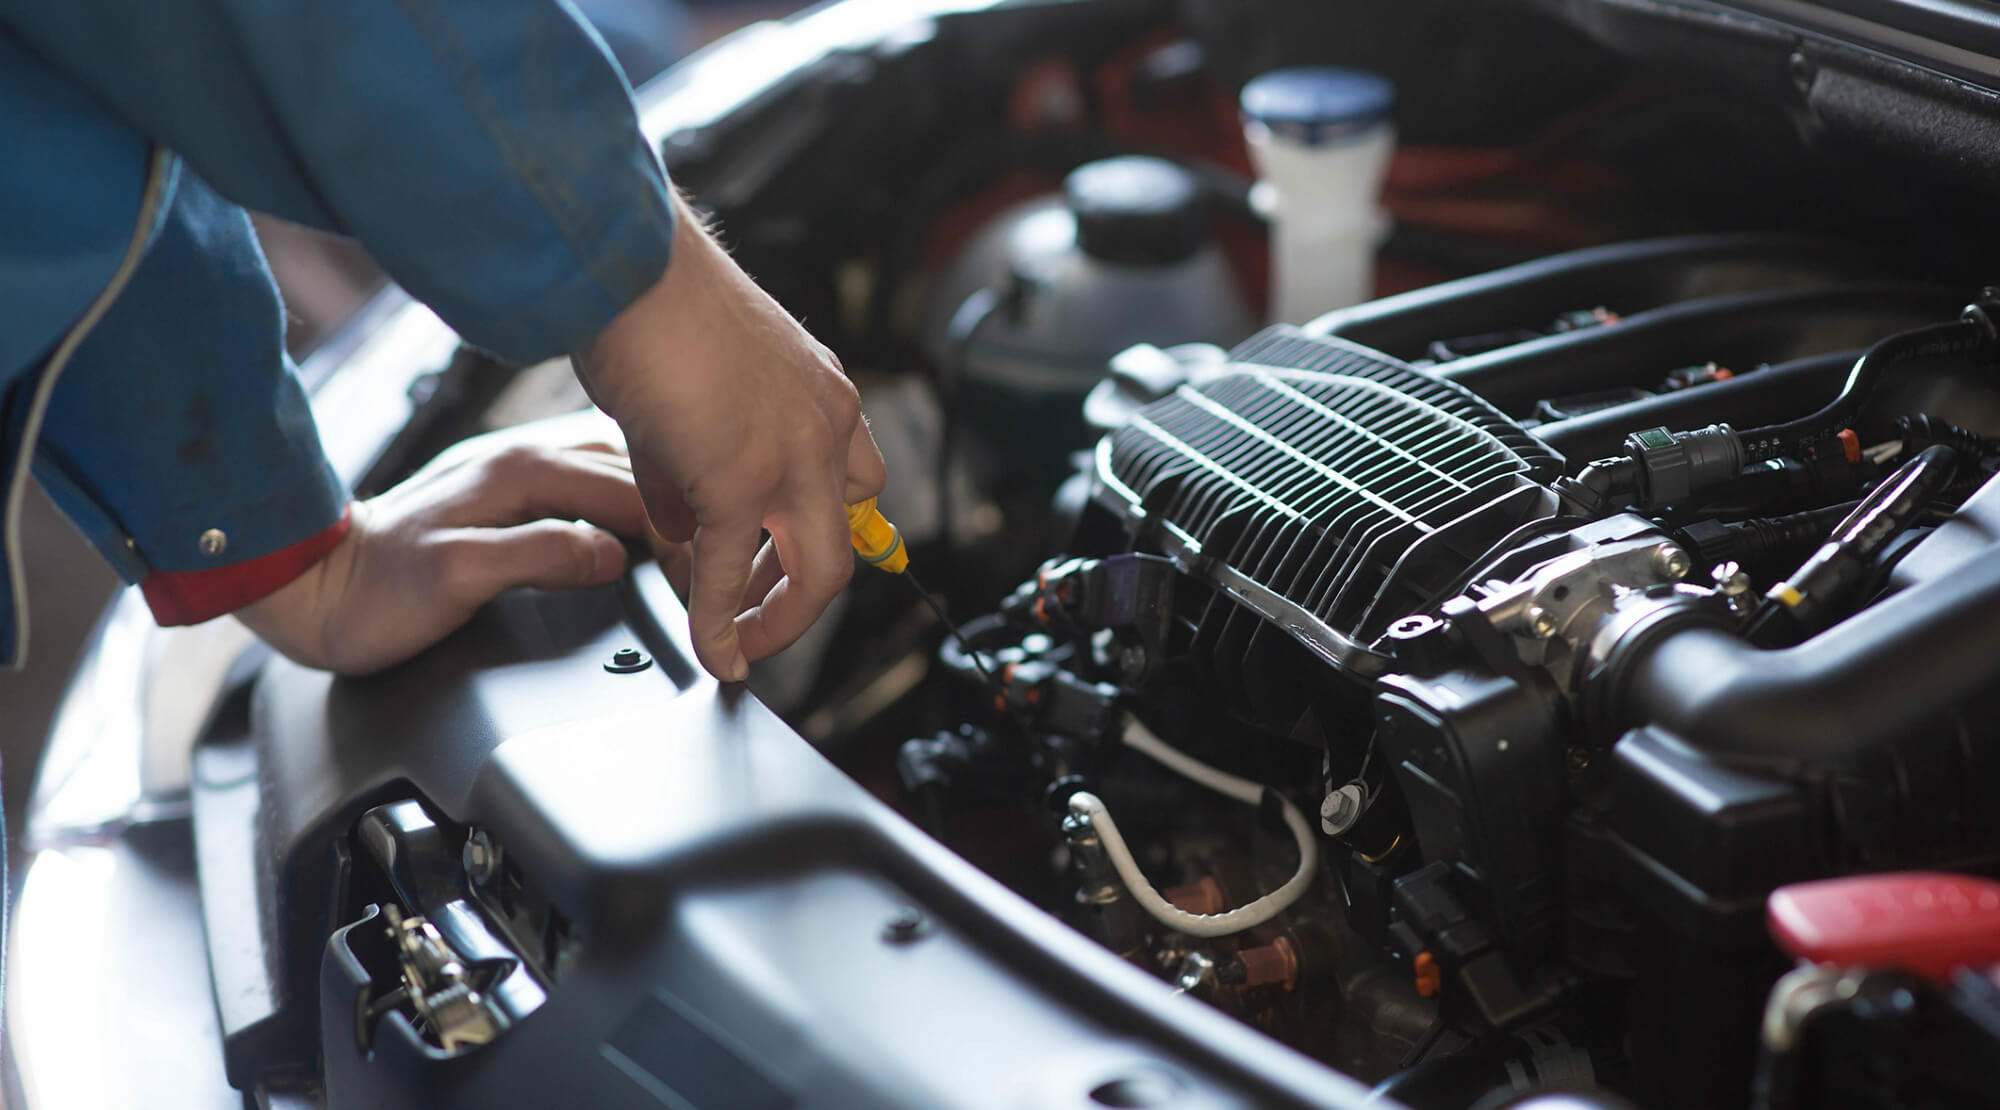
[(1730, 578), (908, 925), (1734, 585), (628, 660), (214, 542), (1672, 562), (1276, 963), (1341, 808), (1541, 622), (480, 857), (1197, 972)]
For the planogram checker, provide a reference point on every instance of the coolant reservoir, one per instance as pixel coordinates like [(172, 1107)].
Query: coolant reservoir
[(1321, 140), (1123, 256)]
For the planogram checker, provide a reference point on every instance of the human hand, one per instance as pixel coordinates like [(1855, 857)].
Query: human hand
[(739, 423), (488, 515)]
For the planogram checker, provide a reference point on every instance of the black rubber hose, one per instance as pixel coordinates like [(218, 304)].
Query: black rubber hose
[(1923, 430), (966, 322), (1759, 537), (1802, 602), (1738, 330), (1861, 683), (1767, 394), (1891, 505), (1971, 334)]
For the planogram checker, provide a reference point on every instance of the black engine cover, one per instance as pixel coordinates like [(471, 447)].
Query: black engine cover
[(731, 900)]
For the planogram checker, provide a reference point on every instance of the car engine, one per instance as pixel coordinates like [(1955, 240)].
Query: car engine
[(1578, 645), (1552, 668)]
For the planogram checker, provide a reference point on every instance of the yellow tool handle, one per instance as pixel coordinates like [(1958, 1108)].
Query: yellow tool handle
[(875, 539)]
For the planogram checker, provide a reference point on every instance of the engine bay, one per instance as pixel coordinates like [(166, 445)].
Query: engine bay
[(1571, 691), (1564, 666)]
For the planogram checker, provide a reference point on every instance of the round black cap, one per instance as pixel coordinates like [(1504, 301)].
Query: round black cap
[(1136, 211)]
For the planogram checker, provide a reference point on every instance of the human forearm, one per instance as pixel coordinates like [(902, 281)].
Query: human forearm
[(739, 423)]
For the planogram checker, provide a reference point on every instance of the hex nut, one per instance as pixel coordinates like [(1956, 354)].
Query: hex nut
[(628, 661), (907, 926)]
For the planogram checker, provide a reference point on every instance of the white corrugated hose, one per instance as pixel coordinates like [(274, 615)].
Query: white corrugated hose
[(1141, 739)]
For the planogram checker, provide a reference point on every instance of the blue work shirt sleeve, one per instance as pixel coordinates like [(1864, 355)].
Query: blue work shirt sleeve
[(486, 152), (171, 472)]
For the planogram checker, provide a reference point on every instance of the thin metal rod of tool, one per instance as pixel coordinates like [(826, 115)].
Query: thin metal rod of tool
[(880, 545), (965, 645)]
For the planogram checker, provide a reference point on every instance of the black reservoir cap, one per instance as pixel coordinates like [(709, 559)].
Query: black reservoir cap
[(1137, 211)]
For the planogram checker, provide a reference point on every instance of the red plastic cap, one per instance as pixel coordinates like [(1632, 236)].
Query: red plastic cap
[(1926, 922)]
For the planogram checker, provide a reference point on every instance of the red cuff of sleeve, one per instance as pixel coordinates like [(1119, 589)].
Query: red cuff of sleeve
[(191, 597)]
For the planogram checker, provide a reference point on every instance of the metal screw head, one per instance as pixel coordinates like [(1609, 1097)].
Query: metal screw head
[(628, 660), (1341, 808), (1672, 562), (214, 542), (1541, 622), (480, 857), (908, 925)]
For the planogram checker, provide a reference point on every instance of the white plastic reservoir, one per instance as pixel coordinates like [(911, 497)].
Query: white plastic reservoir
[(1320, 139)]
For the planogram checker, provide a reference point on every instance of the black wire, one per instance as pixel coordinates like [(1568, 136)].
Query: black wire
[(1834, 572), (965, 325), (1924, 430), (1959, 338), (1424, 1044)]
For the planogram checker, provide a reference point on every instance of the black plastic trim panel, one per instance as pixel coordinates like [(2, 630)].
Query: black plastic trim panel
[(726, 884), (1958, 38)]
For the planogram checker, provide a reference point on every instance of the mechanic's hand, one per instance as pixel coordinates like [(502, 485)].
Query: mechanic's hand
[(739, 422), (489, 515)]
